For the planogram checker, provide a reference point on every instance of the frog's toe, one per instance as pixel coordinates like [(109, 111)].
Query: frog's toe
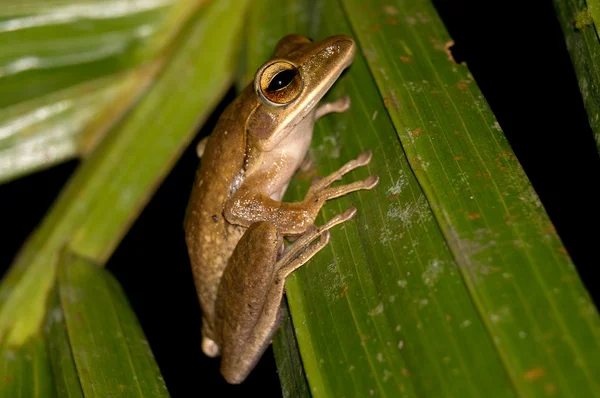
[(210, 348), (364, 158), (371, 181)]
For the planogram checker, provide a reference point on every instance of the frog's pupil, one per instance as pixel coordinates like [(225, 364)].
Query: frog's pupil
[(282, 79)]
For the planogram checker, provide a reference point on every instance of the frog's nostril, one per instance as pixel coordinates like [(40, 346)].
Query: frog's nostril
[(345, 44)]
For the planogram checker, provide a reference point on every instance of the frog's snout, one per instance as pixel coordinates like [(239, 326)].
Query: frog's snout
[(345, 46)]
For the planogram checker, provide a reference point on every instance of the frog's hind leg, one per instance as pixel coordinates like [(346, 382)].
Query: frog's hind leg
[(301, 251), (250, 293)]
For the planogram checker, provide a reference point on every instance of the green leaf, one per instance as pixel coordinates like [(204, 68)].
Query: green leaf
[(451, 280), (62, 72), (65, 377), (48, 46), (581, 36), (109, 349), (515, 268), (111, 187), (289, 364), (48, 130), (593, 8), (25, 371)]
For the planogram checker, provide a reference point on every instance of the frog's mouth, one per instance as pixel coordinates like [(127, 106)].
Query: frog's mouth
[(319, 68)]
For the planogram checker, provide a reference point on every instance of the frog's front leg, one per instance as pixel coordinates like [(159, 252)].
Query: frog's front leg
[(249, 205), (249, 298), (338, 106)]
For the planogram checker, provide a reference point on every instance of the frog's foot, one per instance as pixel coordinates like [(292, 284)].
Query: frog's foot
[(320, 190), (303, 250), (321, 183), (209, 347), (251, 290), (338, 106)]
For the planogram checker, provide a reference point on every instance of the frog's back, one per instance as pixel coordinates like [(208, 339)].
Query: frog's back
[(210, 238)]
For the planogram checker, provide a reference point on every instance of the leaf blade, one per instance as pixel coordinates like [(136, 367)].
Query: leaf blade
[(520, 238), (79, 215), (331, 293), (584, 49), (353, 335), (25, 371), (66, 380), (60, 126), (109, 349)]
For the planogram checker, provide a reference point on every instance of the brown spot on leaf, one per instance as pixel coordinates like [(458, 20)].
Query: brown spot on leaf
[(436, 44), (510, 218), (390, 10), (473, 216), (462, 85), (417, 163), (394, 196), (392, 21), (406, 59), (344, 290), (534, 374), (375, 28), (562, 250), (458, 158), (550, 229), (550, 389), (508, 155), (404, 372), (387, 101), (447, 49), (480, 173), (417, 132)]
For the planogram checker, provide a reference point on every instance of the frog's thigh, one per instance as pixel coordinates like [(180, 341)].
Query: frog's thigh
[(251, 290), (245, 303)]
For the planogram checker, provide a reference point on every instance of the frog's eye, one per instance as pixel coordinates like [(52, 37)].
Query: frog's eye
[(279, 83), (281, 80)]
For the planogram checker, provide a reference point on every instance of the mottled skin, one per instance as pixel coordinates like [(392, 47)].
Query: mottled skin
[(236, 222)]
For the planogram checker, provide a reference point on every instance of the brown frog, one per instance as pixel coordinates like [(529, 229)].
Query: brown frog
[(235, 221)]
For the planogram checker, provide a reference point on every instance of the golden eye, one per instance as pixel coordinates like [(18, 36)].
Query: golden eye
[(280, 83), (282, 80)]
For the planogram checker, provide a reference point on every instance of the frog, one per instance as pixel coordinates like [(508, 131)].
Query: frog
[(236, 224)]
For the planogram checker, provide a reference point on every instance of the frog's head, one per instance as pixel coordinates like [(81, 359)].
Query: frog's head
[(290, 85)]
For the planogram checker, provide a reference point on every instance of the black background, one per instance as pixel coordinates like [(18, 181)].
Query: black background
[(516, 52)]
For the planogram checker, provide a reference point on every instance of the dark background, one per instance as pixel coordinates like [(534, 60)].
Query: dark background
[(516, 52)]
